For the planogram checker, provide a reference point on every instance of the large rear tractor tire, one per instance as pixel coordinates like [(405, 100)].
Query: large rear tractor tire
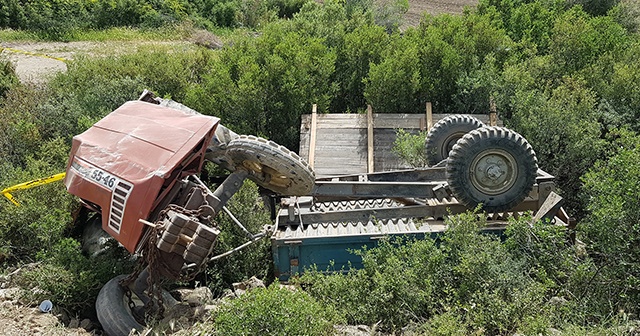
[(114, 313), (492, 166), (272, 166), (445, 133)]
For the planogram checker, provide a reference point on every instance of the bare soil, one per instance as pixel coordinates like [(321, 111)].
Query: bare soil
[(18, 319), (417, 8), (35, 62)]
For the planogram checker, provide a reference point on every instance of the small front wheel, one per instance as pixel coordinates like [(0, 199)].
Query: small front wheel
[(114, 313)]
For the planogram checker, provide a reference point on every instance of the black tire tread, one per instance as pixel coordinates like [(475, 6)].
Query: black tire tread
[(112, 313), (473, 143), (445, 127), (276, 157)]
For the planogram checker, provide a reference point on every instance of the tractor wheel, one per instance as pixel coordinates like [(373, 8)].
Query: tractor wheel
[(444, 134), (113, 311), (272, 166), (492, 166)]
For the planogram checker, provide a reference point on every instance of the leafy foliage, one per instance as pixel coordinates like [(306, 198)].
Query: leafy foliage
[(611, 229), (569, 117), (59, 19), (426, 63), (263, 84), (565, 74), (467, 273), (247, 206), (411, 148), (8, 77), (69, 278), (275, 311)]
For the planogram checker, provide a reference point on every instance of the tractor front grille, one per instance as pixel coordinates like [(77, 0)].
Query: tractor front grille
[(118, 203)]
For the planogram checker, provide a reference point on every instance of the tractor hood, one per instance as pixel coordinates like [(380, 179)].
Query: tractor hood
[(125, 163)]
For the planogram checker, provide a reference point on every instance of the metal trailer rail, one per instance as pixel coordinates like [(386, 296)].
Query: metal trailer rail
[(348, 212)]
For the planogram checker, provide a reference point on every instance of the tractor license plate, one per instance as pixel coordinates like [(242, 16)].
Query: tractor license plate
[(95, 174)]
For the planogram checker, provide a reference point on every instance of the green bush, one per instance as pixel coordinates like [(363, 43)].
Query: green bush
[(618, 85), (578, 40), (255, 260), (611, 229), (8, 78), (466, 274), (60, 19), (427, 63), (262, 85), (275, 311), (70, 279), (376, 294), (362, 47), (411, 148), (488, 286), (569, 116)]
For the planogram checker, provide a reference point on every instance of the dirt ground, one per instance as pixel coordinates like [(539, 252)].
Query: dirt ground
[(35, 62), (417, 8)]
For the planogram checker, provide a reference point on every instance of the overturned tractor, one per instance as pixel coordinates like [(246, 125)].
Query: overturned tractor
[(139, 169)]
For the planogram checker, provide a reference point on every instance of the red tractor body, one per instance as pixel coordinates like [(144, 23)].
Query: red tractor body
[(125, 165)]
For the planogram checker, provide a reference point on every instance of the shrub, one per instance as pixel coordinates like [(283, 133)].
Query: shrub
[(376, 294), (487, 286), (362, 47), (275, 311), (611, 229), (470, 275), (578, 40), (570, 118), (8, 78), (410, 147), (255, 260), (44, 216), (262, 85), (70, 279), (426, 64)]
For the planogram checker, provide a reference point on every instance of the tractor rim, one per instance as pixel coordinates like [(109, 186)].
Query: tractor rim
[(493, 171), (266, 174)]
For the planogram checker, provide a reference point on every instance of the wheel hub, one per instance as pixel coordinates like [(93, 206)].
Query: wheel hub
[(266, 174), (493, 171)]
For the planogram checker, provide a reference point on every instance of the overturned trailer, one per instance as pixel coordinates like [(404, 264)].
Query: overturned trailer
[(322, 231), (491, 167)]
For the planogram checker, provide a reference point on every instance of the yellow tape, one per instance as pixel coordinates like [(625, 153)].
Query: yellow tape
[(30, 184), (10, 197), (35, 54)]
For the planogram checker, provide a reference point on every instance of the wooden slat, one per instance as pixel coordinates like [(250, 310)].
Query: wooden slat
[(342, 140), (312, 139), (429, 116), (369, 139), (383, 120)]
